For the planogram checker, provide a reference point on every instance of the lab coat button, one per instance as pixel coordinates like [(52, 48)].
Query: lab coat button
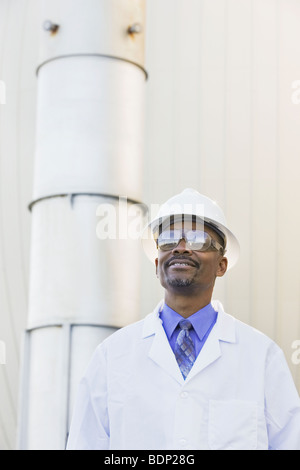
[(182, 442), (184, 394)]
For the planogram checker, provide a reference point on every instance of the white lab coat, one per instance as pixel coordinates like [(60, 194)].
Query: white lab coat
[(238, 395)]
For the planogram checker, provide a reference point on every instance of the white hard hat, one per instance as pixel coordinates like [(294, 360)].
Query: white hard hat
[(191, 203)]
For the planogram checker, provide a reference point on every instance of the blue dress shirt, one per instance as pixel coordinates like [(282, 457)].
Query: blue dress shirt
[(202, 322)]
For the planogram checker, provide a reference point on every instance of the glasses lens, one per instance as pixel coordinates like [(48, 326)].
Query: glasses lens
[(195, 239), (169, 239), (198, 240)]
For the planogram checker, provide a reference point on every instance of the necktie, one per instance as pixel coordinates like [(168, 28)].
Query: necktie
[(184, 348)]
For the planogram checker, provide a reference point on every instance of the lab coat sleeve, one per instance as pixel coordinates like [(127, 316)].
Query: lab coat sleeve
[(282, 405), (90, 426)]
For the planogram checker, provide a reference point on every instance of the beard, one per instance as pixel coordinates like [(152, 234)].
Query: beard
[(180, 282), (177, 280)]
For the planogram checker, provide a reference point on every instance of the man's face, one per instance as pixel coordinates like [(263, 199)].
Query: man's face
[(183, 269)]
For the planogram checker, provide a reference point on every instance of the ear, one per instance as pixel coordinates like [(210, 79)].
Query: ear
[(222, 266)]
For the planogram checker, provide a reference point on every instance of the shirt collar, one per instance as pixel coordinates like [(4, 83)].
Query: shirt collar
[(201, 320)]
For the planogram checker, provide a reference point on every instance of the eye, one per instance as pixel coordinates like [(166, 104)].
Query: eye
[(168, 239), (198, 240)]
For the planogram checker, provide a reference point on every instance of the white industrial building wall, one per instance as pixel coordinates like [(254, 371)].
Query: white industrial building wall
[(222, 117), (18, 58)]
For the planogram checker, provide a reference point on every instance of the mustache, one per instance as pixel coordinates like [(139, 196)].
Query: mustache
[(182, 258)]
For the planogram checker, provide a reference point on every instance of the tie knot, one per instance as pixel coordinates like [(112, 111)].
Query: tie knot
[(185, 325)]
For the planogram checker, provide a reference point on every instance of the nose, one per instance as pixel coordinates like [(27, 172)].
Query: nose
[(182, 248)]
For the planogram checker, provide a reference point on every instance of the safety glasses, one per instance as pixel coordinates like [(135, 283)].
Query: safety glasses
[(196, 240)]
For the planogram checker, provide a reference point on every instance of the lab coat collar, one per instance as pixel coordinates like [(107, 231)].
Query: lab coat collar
[(161, 352)]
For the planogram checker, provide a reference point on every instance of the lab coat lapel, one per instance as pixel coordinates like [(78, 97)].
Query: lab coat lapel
[(161, 353), (160, 350), (210, 352), (224, 330)]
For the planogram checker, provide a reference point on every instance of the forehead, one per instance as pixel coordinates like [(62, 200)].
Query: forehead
[(183, 221), (187, 225), (187, 222), (192, 225)]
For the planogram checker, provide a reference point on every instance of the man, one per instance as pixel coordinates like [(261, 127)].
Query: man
[(188, 376)]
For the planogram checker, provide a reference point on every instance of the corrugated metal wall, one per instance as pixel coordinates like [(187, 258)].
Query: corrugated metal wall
[(18, 53), (222, 116)]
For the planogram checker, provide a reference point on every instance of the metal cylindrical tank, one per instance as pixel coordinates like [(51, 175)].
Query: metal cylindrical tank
[(84, 283), (84, 102)]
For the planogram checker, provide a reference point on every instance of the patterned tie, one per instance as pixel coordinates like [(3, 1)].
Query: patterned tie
[(184, 348)]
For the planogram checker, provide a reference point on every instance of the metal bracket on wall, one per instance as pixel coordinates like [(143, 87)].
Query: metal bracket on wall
[(73, 195)]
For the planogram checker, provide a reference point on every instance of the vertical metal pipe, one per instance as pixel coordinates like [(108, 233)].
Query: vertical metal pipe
[(89, 151)]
